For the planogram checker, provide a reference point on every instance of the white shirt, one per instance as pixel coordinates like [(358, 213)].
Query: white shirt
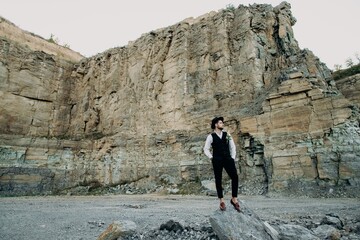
[(209, 141)]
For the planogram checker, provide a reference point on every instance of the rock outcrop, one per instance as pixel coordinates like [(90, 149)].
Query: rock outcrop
[(137, 112), (243, 225), (36, 43), (350, 88)]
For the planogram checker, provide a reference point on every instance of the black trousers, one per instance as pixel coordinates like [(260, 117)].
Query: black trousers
[(229, 165)]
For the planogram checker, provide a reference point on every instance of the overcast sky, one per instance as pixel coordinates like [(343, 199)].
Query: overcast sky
[(329, 28)]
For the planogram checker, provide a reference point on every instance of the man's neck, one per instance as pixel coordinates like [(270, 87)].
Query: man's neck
[(218, 131)]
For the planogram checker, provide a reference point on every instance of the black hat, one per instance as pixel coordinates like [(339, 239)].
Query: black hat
[(215, 121)]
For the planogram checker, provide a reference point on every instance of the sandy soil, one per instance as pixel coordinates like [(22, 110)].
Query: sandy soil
[(85, 217)]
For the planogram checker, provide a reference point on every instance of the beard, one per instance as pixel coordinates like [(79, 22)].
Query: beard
[(220, 128)]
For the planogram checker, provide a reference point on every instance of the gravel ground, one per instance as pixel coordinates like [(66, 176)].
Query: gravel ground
[(86, 217)]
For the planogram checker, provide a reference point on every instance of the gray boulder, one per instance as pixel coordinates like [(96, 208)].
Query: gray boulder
[(291, 232), (327, 232), (333, 221), (243, 225)]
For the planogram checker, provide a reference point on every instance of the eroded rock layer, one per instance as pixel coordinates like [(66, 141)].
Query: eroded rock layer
[(139, 112)]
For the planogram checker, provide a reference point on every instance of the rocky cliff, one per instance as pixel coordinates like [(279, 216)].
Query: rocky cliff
[(141, 113)]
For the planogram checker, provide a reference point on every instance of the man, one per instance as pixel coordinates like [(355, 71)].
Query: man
[(222, 157)]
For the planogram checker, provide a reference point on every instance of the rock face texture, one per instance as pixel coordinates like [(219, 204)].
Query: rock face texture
[(34, 42), (135, 113), (350, 88)]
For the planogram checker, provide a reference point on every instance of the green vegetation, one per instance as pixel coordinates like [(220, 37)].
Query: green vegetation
[(56, 40), (230, 7), (346, 72), (53, 39)]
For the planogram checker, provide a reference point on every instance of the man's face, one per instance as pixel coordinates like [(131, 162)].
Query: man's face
[(219, 125)]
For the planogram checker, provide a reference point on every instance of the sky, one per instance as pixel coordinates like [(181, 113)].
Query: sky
[(329, 28)]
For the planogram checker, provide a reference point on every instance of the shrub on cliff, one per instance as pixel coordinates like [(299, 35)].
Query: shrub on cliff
[(346, 72)]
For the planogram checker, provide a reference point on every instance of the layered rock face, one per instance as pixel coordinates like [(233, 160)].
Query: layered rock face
[(350, 88), (136, 113), (34, 91)]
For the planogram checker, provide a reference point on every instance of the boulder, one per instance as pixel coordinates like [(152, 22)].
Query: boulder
[(291, 232), (242, 225), (333, 221), (118, 229), (327, 232)]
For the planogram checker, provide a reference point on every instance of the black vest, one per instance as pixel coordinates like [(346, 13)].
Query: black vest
[(220, 146)]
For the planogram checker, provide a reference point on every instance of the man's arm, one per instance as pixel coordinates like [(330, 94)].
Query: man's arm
[(232, 147), (207, 146)]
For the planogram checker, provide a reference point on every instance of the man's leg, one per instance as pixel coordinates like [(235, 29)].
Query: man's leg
[(231, 171), (218, 168), (230, 168)]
